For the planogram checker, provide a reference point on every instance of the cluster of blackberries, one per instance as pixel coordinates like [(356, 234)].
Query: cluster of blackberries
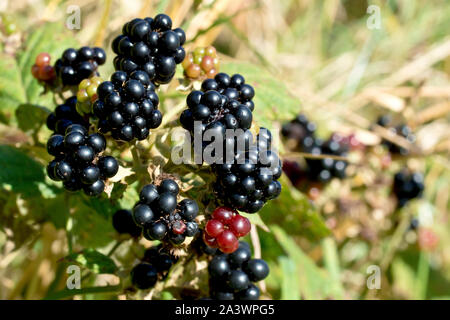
[(407, 186), (161, 217), (231, 276), (127, 106), (301, 132), (155, 265), (224, 103), (76, 65), (224, 229), (64, 116), (77, 162), (251, 180), (403, 130), (150, 45)]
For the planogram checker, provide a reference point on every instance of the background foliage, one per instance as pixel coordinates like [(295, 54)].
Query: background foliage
[(315, 57)]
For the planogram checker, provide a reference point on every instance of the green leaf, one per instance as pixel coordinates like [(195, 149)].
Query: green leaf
[(12, 91), (331, 261), (290, 283), (315, 283), (17, 85), (93, 260), (92, 226), (30, 116), (273, 101), (19, 173), (294, 212)]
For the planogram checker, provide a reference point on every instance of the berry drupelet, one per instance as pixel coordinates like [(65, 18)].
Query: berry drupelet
[(161, 217), (64, 116), (76, 65), (407, 186), (78, 162), (232, 276), (224, 229), (150, 45), (127, 106)]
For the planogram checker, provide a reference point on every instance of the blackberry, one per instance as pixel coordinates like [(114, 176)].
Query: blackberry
[(407, 186), (87, 94), (202, 63), (161, 217), (222, 104), (224, 229), (78, 161), (144, 275), (402, 130), (127, 106), (251, 180), (123, 223), (42, 70), (300, 136), (159, 257), (76, 65), (323, 170), (231, 275), (150, 45), (64, 116), (154, 266)]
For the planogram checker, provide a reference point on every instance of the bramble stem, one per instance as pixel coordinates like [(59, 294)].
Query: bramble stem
[(114, 248)]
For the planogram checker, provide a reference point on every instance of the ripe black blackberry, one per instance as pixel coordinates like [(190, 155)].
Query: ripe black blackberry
[(154, 266), (78, 161), (127, 106), (123, 223), (150, 45), (64, 116), (224, 103), (402, 130), (251, 180), (323, 170), (300, 133), (298, 129), (76, 65), (231, 276), (407, 186), (161, 217)]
